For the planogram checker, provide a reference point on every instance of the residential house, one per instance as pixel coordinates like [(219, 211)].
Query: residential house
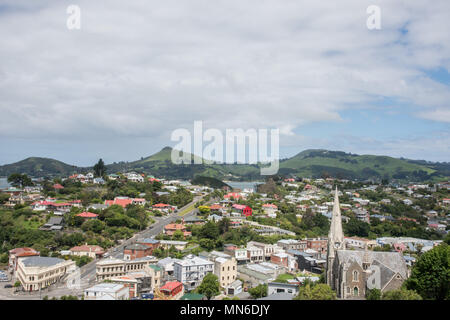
[(92, 251)]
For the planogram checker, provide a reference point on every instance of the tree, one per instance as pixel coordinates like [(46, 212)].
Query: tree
[(401, 294), (178, 235), (99, 168), (259, 291), (204, 210), (210, 230), (210, 286), (20, 180), (319, 291), (430, 277), (4, 197), (374, 294)]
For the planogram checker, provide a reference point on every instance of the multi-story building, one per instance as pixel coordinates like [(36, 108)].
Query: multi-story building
[(141, 282), (268, 249), (111, 267), (35, 273), (17, 254), (240, 254), (149, 242), (191, 270), (225, 266), (318, 244), (291, 244), (136, 250), (285, 260), (255, 254)]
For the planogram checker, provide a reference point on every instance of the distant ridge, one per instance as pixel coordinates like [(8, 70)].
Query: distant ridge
[(313, 163)]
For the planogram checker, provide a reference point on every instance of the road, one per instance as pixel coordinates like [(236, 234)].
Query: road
[(87, 272)]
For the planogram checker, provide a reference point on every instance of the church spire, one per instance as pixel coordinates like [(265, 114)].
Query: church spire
[(335, 241), (336, 235)]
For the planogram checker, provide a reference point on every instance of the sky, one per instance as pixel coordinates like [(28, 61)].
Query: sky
[(138, 70)]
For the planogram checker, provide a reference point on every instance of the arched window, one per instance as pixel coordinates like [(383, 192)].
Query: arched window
[(355, 291), (355, 275)]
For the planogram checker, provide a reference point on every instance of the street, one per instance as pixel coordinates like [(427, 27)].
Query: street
[(87, 272)]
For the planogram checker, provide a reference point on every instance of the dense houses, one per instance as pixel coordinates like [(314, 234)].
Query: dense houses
[(139, 274)]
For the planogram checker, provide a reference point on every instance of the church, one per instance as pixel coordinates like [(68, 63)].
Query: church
[(351, 272)]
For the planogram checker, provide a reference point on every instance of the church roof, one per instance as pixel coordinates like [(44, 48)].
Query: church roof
[(392, 260)]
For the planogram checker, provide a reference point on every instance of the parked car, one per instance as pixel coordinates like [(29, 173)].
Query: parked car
[(8, 286)]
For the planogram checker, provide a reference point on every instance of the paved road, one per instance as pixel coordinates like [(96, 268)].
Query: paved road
[(87, 272)]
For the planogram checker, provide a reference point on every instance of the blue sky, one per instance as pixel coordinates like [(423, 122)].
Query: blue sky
[(119, 86)]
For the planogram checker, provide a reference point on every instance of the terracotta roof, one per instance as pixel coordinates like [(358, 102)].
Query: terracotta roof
[(88, 248), (161, 205), (170, 286), (174, 226), (121, 202), (87, 215), (24, 252)]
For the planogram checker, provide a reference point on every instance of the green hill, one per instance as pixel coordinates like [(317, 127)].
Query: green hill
[(309, 163), (38, 167), (317, 163)]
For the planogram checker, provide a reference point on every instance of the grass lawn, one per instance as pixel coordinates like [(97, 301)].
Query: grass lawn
[(187, 210), (284, 277)]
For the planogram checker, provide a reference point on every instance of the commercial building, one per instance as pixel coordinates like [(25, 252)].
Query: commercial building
[(191, 270), (35, 273)]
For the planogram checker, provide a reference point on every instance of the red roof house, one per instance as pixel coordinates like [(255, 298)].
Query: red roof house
[(88, 215)]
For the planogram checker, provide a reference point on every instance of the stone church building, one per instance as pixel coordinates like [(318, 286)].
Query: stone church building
[(351, 272)]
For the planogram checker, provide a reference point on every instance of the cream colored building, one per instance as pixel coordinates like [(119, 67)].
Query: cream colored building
[(225, 267), (111, 267), (35, 273)]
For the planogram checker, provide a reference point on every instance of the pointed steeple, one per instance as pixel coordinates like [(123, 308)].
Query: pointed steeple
[(335, 235)]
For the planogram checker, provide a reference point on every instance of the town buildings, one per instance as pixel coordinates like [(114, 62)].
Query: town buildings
[(36, 273), (191, 270)]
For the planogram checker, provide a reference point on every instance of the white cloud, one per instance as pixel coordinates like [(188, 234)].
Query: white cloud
[(144, 68)]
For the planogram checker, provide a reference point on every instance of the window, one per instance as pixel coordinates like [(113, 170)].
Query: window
[(355, 275)]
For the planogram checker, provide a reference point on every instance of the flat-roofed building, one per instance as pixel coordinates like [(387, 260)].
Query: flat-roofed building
[(35, 273), (112, 267), (107, 291), (292, 244)]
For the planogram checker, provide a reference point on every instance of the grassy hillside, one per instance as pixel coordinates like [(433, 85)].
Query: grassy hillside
[(309, 163), (37, 167), (316, 163)]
